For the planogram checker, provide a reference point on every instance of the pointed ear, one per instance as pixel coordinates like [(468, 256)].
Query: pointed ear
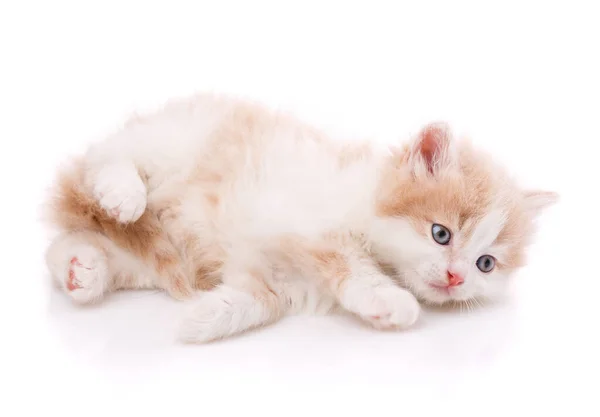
[(537, 201), (433, 149)]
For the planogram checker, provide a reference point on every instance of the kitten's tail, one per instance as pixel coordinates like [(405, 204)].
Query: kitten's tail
[(72, 207)]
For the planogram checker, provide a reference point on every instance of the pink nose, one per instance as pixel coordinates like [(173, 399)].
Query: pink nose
[(454, 279)]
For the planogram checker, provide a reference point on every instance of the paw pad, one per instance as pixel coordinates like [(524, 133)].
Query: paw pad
[(72, 282)]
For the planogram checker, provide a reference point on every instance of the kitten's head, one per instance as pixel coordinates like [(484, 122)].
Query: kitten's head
[(450, 222)]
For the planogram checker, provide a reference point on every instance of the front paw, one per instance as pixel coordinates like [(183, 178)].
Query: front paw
[(121, 192), (390, 307)]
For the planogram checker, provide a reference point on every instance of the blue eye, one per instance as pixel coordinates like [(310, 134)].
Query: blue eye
[(486, 263), (441, 234)]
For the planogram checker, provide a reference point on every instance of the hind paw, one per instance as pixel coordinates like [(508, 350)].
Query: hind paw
[(86, 278), (121, 192)]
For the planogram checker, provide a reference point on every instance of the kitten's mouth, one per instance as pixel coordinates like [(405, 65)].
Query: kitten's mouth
[(445, 289), (443, 293)]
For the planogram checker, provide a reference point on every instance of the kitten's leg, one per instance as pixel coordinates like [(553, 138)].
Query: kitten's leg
[(112, 171), (79, 266), (119, 189), (245, 301), (152, 148), (361, 288), (115, 182), (87, 265)]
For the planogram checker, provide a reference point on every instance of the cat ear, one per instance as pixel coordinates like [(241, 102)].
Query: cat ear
[(537, 201), (433, 149)]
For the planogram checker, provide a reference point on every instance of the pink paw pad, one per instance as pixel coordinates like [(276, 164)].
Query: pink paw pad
[(72, 282)]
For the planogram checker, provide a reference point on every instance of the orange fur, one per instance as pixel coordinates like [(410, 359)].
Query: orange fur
[(72, 208), (457, 198), (268, 211)]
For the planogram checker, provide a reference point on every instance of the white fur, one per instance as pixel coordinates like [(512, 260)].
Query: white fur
[(298, 189), (120, 191), (89, 273), (293, 186), (222, 312), (486, 231), (422, 261), (96, 270)]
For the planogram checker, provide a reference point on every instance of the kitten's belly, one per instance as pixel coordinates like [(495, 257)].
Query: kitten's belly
[(302, 196), (241, 236)]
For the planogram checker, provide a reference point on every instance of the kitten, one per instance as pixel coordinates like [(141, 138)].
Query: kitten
[(274, 217)]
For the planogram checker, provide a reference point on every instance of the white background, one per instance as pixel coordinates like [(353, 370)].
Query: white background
[(520, 78)]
